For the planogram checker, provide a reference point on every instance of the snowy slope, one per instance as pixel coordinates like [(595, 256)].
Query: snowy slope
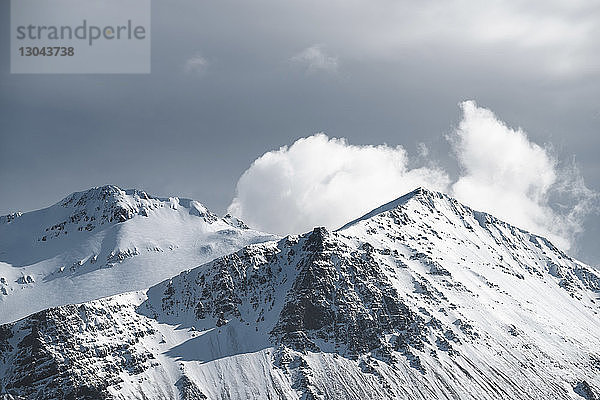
[(423, 298), (106, 241)]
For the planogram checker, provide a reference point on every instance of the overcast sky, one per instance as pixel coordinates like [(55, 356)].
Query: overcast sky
[(233, 80)]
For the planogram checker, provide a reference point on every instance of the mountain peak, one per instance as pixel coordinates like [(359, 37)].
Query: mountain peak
[(107, 194), (420, 193), (108, 204), (126, 239), (423, 204)]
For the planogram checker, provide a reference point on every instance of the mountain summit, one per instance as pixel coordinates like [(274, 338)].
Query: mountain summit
[(423, 298), (105, 241)]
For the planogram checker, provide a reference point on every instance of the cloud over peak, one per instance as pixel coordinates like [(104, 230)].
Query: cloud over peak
[(327, 181), (508, 175)]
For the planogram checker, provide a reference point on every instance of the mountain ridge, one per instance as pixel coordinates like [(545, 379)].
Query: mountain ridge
[(422, 193), (105, 241), (425, 300)]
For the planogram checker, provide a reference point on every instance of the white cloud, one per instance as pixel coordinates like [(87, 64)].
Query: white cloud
[(318, 181), (423, 149), (315, 59), (517, 180), (196, 65)]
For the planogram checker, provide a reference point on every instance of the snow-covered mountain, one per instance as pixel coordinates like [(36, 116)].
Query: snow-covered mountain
[(423, 298), (106, 241)]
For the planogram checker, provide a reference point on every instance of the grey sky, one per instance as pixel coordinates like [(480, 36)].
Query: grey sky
[(231, 80)]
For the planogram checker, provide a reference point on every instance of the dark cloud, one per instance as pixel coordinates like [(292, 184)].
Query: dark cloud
[(192, 128)]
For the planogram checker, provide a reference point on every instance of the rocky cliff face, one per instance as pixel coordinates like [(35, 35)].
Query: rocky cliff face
[(423, 298), (75, 351)]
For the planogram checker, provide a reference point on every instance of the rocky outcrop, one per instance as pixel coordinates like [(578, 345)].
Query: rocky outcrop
[(73, 352)]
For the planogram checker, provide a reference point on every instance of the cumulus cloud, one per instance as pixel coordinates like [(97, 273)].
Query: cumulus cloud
[(322, 181), (196, 65), (315, 59), (506, 174)]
